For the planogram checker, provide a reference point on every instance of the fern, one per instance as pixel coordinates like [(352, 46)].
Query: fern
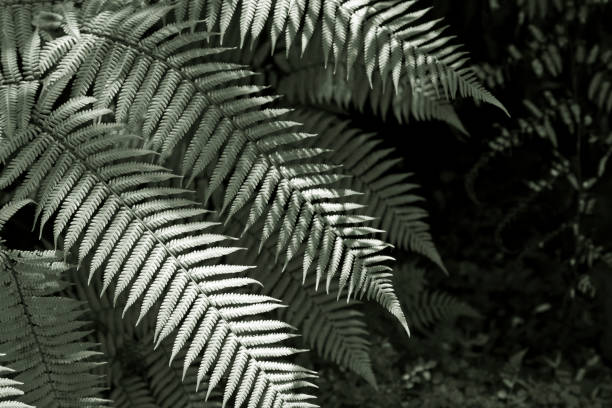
[(42, 335), (430, 307), (98, 190), (137, 375), (425, 307), (335, 330), (389, 198), (310, 83), (319, 86), (313, 84), (391, 38), (161, 86), (9, 389), (110, 110)]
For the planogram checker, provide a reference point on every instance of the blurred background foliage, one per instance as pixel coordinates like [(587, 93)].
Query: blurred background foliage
[(520, 211)]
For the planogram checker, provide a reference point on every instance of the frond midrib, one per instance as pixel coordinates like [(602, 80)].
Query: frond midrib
[(31, 325)]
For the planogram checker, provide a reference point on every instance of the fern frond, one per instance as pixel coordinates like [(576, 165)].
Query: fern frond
[(389, 39), (425, 307), (430, 307), (107, 209), (310, 83), (9, 388), (389, 198), (134, 370), (162, 91), (335, 330), (315, 85), (20, 40), (42, 335)]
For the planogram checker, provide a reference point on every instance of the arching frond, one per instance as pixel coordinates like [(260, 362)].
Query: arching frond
[(42, 336), (138, 375), (335, 330), (315, 85), (388, 39), (20, 44), (388, 197), (163, 91), (308, 83), (110, 208)]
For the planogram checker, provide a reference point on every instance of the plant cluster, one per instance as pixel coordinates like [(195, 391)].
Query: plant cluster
[(138, 141)]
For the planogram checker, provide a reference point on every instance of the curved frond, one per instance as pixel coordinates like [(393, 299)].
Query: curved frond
[(165, 92), (140, 376), (315, 85), (42, 336), (388, 197), (388, 39), (335, 330), (109, 207)]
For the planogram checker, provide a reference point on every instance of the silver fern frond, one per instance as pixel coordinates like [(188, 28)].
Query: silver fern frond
[(389, 197), (108, 209), (389, 39), (164, 91)]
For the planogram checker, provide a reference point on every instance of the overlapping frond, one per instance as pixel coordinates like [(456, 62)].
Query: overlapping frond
[(109, 206), (315, 85), (311, 83), (20, 45), (42, 335), (388, 39), (165, 91), (388, 197), (335, 330), (139, 376)]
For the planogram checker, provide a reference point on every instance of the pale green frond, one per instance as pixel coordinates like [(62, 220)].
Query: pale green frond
[(10, 209), (138, 375), (313, 84), (335, 330), (391, 198), (169, 268), (387, 39), (42, 334), (221, 135)]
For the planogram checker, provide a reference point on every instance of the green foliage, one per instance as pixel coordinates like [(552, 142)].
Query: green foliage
[(110, 111), (42, 335), (566, 118)]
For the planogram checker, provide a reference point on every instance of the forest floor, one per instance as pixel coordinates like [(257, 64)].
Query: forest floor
[(456, 370), (532, 346)]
